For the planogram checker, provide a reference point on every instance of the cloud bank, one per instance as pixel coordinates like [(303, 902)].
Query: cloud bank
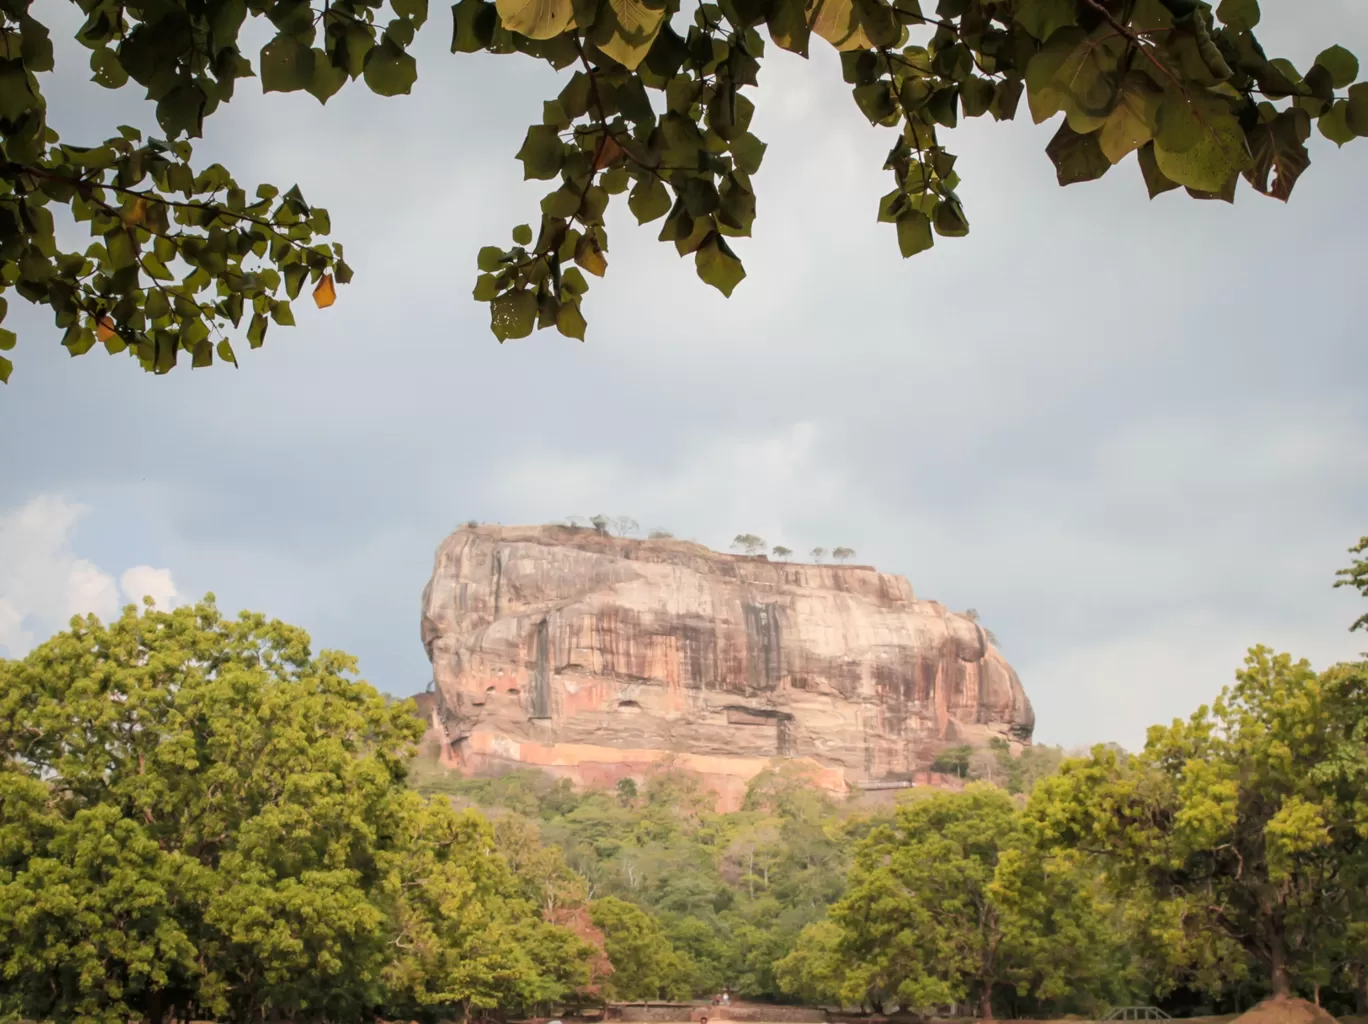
[(43, 582)]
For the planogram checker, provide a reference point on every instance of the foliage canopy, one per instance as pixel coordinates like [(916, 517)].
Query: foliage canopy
[(656, 104), (202, 818)]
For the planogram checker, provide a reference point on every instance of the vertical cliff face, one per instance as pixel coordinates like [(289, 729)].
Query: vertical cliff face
[(598, 657)]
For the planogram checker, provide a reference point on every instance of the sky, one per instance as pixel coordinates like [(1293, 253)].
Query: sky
[(1129, 433)]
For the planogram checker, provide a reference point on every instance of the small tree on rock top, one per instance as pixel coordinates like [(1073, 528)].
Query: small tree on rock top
[(749, 543), (842, 554)]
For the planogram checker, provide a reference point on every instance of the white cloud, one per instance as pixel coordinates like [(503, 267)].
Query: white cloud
[(42, 581), (144, 581)]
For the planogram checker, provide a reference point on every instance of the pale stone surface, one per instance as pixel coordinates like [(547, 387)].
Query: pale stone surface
[(599, 657)]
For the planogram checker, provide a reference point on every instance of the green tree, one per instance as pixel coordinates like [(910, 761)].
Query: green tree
[(952, 904), (815, 970), (779, 551), (645, 964), (1246, 822), (201, 817), (843, 554), (1356, 576), (178, 257), (953, 760), (749, 543)]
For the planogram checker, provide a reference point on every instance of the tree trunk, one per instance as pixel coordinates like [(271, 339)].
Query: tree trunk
[(1361, 991), (1277, 963), (986, 1002)]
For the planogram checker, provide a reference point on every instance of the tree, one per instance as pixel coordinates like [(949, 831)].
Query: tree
[(600, 524), (645, 965), (626, 792), (973, 616), (749, 543), (203, 818), (1356, 576), (625, 526), (818, 554), (953, 760), (842, 554), (779, 551), (1246, 821), (181, 256), (659, 534), (952, 902)]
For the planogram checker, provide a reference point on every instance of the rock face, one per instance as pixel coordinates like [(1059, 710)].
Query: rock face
[(598, 658)]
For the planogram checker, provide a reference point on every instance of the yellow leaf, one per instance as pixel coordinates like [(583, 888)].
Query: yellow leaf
[(325, 294), (590, 257), (838, 23), (625, 29), (136, 213), (536, 19)]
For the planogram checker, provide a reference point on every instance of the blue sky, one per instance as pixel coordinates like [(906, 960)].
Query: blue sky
[(1129, 433)]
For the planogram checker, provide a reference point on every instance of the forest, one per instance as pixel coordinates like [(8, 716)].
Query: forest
[(201, 818)]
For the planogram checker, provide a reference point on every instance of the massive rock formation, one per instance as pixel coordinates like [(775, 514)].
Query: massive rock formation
[(598, 657)]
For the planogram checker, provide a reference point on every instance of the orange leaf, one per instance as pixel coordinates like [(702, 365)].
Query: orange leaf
[(104, 329), (325, 294), (609, 152)]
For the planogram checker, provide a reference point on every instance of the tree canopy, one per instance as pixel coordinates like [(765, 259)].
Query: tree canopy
[(656, 103), (201, 817)]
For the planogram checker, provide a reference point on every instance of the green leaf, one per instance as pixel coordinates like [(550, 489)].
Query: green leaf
[(1155, 181), (1239, 15), (976, 96), (522, 235), (327, 79), (570, 321), (256, 330), (486, 287), (16, 90), (625, 29), (1334, 124), (513, 315), (1046, 88), (7, 339), (1342, 65), (6, 368), (914, 233), (788, 26), (1132, 123), (1357, 114), (202, 354), (1042, 18), (108, 71), (474, 23), (1200, 143), (389, 71), (542, 153), (287, 65), (717, 265), (1077, 157), (490, 259), (949, 219), (649, 200), (877, 102), (748, 152), (536, 19), (225, 352)]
